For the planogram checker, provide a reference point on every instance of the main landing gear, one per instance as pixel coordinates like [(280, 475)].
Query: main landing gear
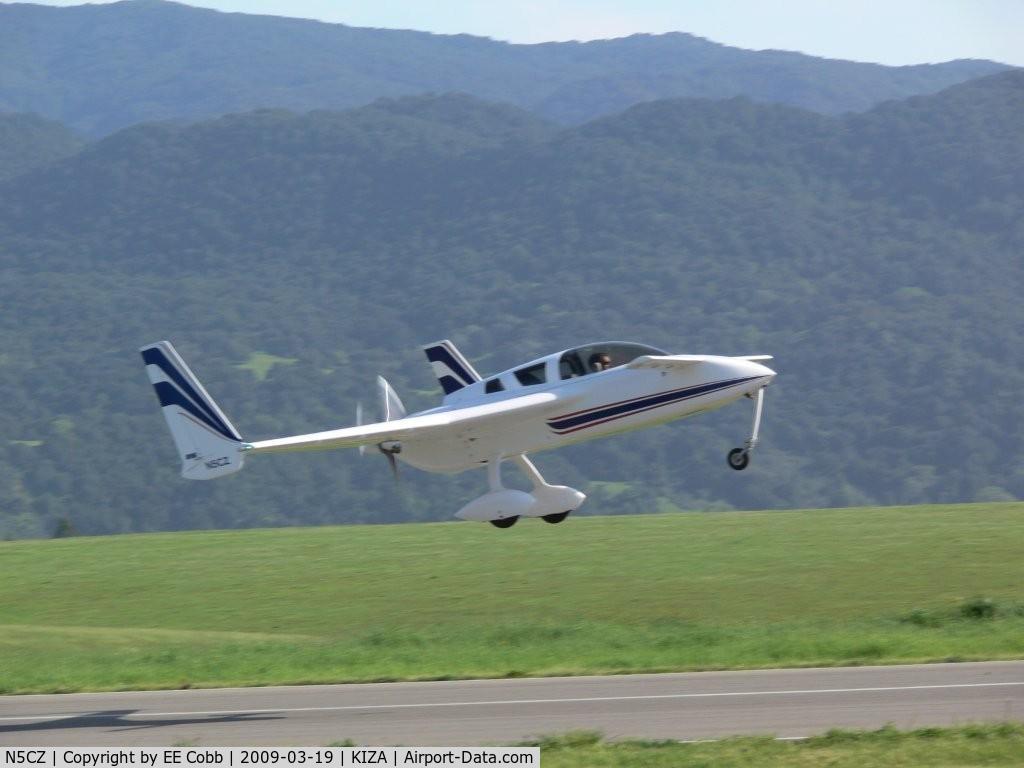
[(556, 517), (739, 458), (508, 522), (503, 507)]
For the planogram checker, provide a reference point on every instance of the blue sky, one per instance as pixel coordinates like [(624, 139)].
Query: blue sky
[(885, 31)]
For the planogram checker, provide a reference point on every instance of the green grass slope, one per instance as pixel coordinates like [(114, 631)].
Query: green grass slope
[(971, 745), (595, 595)]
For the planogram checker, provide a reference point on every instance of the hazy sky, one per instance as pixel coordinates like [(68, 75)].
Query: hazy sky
[(886, 31)]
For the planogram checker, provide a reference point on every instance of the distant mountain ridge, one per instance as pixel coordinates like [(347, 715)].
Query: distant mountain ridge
[(876, 255), (98, 68)]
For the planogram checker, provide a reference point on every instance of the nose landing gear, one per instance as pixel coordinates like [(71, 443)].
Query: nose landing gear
[(739, 458)]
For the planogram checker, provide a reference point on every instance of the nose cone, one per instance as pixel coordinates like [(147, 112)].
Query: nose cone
[(751, 369)]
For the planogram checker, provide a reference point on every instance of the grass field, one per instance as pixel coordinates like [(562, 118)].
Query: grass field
[(593, 595), (992, 745)]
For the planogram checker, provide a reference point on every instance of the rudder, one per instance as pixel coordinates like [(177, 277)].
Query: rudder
[(207, 441)]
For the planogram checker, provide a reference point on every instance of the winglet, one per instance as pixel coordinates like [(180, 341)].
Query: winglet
[(207, 442), (453, 371)]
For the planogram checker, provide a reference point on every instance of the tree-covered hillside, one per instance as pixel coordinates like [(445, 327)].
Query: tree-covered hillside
[(28, 142), (103, 67), (293, 257)]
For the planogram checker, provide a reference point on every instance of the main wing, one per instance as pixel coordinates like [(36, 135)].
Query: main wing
[(411, 427)]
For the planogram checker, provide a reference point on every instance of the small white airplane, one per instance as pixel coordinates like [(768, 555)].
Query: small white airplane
[(579, 394)]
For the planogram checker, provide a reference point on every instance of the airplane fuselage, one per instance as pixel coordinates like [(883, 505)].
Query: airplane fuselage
[(596, 405)]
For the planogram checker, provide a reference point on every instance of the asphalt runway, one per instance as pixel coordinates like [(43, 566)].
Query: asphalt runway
[(702, 705)]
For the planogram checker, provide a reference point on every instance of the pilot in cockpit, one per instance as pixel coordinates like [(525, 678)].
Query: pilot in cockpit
[(599, 361)]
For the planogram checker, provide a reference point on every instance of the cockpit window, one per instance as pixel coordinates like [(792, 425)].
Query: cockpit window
[(569, 366), (595, 358), (494, 385), (532, 375)]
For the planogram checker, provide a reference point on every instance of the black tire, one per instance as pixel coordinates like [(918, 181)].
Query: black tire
[(555, 517), (505, 522), (738, 458)]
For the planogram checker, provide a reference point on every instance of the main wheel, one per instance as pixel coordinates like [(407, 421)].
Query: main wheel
[(505, 522), (555, 517), (739, 458)]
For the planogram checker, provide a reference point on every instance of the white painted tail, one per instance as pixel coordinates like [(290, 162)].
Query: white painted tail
[(207, 442)]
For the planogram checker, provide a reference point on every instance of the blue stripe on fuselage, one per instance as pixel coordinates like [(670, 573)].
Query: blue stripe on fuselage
[(600, 414)]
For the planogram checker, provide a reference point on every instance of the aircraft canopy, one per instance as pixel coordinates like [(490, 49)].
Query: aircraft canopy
[(593, 358)]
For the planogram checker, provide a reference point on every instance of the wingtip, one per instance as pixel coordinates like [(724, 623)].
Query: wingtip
[(156, 345), (437, 343)]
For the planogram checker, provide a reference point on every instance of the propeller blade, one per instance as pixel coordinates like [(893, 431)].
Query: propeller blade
[(359, 423), (391, 406), (393, 462)]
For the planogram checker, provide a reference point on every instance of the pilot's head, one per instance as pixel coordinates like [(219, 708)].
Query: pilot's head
[(600, 361)]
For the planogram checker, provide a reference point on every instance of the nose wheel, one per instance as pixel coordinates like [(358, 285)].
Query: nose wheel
[(739, 458)]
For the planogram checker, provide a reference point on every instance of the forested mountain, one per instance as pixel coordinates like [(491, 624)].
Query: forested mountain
[(28, 141), (292, 257), (103, 67)]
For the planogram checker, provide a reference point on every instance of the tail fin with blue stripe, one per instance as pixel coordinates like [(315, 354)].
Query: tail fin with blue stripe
[(209, 445), (453, 371)]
